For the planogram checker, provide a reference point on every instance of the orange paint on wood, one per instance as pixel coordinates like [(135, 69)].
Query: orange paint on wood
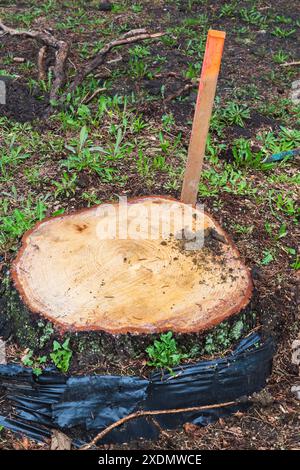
[(206, 93)]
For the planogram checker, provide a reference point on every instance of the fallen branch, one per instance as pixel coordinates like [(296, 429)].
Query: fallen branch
[(290, 64), (46, 38), (129, 38), (139, 414), (62, 50)]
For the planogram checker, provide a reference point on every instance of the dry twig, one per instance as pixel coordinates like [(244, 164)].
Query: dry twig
[(62, 50), (139, 414), (180, 91), (289, 64)]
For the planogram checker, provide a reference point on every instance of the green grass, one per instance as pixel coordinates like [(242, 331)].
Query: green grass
[(14, 223)]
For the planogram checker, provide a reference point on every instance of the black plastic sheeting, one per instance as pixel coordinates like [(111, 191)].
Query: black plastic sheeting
[(91, 403)]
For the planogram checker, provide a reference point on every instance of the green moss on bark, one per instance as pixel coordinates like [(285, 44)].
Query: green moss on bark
[(18, 321)]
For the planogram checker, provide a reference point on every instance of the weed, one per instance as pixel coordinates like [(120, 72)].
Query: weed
[(280, 57), (231, 114), (286, 204), (247, 92), (283, 19), (164, 353), (137, 8), (213, 150), (172, 185), (159, 163), (169, 40), (193, 70), (91, 199), (229, 180), (228, 9), (282, 109), (138, 125), (5, 73), (253, 16), (10, 158), (234, 113), (94, 158), (47, 332), (296, 263), (168, 122), (61, 355), (283, 203), (34, 362), (243, 229), (143, 165), (19, 221), (268, 228), (66, 186), (283, 178), (195, 48), (282, 232), (137, 66), (268, 257), (33, 176), (165, 144), (117, 8), (244, 157), (283, 33)]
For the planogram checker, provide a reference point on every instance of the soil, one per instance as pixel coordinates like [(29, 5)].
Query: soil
[(247, 61), (22, 104)]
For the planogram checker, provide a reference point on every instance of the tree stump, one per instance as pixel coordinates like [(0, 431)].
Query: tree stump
[(87, 271)]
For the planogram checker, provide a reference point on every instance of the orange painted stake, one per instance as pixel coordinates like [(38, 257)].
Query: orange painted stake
[(203, 110)]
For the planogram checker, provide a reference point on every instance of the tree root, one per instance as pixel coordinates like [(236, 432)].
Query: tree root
[(62, 51), (42, 63), (47, 39)]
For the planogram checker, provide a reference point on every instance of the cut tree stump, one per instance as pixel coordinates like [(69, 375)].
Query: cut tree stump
[(67, 273)]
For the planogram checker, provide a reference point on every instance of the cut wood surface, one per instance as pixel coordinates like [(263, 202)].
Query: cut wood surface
[(69, 273)]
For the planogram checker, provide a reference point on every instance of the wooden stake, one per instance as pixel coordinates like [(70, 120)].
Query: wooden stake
[(204, 105)]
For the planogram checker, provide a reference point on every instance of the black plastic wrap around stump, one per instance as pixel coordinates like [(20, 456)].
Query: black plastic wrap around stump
[(94, 402)]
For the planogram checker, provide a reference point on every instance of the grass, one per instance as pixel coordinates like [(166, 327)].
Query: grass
[(14, 223), (227, 180)]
